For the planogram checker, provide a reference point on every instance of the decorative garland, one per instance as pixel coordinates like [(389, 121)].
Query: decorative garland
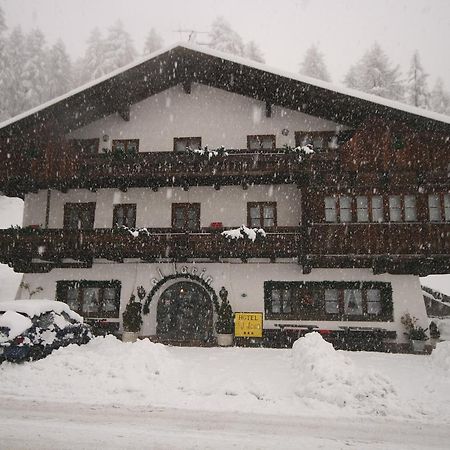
[(188, 276)]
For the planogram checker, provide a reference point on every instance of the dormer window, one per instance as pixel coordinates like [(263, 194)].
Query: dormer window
[(261, 142), (181, 144)]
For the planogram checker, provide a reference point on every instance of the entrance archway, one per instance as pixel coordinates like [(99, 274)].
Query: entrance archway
[(184, 313)]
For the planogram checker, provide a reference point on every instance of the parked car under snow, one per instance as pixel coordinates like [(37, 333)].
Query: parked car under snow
[(32, 329)]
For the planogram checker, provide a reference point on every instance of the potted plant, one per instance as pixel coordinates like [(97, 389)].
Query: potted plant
[(132, 320), (225, 321), (416, 334)]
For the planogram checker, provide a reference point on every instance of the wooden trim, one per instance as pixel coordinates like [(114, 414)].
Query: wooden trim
[(126, 207), (186, 207), (188, 141), (261, 205), (262, 136)]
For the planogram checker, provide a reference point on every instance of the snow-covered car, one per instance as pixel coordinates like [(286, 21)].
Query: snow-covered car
[(32, 329)]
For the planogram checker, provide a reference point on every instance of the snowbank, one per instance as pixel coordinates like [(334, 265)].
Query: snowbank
[(440, 358), (328, 375), (37, 307)]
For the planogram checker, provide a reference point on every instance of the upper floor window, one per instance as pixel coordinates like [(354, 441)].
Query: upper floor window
[(85, 146), (439, 207), (91, 298), (261, 142), (125, 145), (338, 209), (262, 214), (402, 208), (79, 216), (318, 140), (328, 300), (124, 215), (180, 144), (186, 216)]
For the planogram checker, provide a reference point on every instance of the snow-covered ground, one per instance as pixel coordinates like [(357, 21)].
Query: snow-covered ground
[(148, 395)]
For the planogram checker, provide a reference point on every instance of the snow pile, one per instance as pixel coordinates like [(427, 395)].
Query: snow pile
[(329, 376), (440, 358), (244, 232), (16, 323), (37, 307)]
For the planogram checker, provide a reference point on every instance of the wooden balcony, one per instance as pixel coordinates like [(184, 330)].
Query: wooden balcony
[(396, 248)]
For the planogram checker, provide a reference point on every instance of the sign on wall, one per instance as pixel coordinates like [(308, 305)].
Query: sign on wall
[(248, 324)]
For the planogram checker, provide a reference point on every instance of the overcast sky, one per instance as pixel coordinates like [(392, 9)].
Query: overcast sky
[(284, 29)]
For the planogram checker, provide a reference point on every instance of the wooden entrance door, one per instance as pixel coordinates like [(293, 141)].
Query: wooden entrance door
[(185, 313)]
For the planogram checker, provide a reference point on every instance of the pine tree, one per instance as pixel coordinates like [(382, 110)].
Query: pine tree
[(313, 64), (416, 89), (252, 51), (35, 69), (119, 48), (59, 70), (375, 75), (153, 42), (225, 39), (94, 57), (440, 98)]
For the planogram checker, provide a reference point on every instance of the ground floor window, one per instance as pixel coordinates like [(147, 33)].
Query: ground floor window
[(91, 298), (328, 300)]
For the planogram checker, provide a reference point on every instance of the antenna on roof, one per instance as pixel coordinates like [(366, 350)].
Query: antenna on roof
[(192, 35)]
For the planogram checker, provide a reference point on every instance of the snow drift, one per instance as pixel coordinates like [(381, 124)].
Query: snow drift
[(329, 376)]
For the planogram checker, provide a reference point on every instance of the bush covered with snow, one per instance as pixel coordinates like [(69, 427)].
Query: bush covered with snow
[(330, 376)]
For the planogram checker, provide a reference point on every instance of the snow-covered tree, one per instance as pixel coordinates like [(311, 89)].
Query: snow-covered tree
[(313, 64), (35, 70), (225, 39), (252, 51), (440, 98), (94, 56), (153, 42), (119, 48), (374, 74), (59, 70), (416, 88), (3, 71)]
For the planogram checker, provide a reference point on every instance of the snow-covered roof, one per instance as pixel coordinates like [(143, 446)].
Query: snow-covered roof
[(374, 99)]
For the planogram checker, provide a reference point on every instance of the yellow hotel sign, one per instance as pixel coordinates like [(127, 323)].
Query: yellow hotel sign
[(248, 324)]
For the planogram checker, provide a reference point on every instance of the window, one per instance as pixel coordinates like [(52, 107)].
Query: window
[(319, 140), (345, 209), (181, 144), (100, 299), (328, 300), (330, 209), (410, 208), (262, 215), (124, 215), (343, 213), (79, 216), (362, 209), (130, 146), (439, 207), (395, 208), (377, 208), (261, 142), (186, 216), (85, 146)]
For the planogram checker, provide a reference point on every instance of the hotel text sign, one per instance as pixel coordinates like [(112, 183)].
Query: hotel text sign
[(248, 324)]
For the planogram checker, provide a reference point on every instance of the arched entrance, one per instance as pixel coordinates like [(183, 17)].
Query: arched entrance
[(184, 313)]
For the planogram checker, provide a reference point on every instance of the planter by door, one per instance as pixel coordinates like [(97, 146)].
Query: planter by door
[(129, 336), (418, 346), (224, 340)]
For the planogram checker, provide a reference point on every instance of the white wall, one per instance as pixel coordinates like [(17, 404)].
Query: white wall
[(239, 279), (219, 117), (228, 205)]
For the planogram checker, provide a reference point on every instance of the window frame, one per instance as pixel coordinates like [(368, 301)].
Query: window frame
[(86, 206), (126, 207), (188, 144), (444, 217), (126, 143), (186, 207), (318, 312), (260, 137), (63, 286), (261, 206)]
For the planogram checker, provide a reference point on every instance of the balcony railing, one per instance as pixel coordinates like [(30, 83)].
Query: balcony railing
[(321, 245)]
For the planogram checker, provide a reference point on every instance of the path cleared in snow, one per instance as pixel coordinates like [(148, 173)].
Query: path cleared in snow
[(148, 395)]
